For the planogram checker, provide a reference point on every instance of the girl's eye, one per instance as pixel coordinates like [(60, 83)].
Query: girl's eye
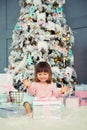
[(39, 74), (45, 73)]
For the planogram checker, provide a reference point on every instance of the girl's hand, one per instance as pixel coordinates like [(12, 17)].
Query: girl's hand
[(26, 82), (64, 89)]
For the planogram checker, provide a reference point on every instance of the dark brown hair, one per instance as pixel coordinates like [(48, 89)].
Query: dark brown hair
[(43, 67)]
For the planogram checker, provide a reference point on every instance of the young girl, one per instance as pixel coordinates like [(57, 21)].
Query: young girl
[(41, 87)]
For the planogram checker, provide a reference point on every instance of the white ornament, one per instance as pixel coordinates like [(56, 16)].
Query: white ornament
[(37, 2), (42, 45)]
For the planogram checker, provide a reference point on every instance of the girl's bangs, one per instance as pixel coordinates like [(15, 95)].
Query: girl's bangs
[(43, 69)]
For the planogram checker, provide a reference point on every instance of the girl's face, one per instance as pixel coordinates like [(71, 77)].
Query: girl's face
[(43, 76)]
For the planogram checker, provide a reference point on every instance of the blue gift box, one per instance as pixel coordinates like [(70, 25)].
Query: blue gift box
[(3, 97), (11, 110)]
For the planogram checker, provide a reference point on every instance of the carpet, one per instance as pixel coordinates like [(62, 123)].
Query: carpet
[(72, 119)]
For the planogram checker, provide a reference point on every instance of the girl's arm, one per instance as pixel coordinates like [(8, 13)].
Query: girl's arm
[(56, 93), (31, 88)]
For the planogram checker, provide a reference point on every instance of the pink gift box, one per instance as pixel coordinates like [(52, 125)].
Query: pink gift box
[(83, 102), (82, 94), (7, 88), (72, 102)]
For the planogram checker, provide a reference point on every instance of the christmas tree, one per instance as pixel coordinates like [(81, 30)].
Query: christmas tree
[(42, 34)]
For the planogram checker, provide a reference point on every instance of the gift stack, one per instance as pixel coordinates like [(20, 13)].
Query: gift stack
[(81, 92), (8, 108), (47, 108)]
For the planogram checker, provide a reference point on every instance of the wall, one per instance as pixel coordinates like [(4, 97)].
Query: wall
[(76, 15), (9, 11)]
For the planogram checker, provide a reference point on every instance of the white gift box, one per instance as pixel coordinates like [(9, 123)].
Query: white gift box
[(6, 79), (72, 102), (47, 109)]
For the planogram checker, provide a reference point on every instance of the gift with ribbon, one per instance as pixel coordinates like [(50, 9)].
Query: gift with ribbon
[(46, 108)]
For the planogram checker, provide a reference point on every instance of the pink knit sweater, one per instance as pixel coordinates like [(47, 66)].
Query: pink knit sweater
[(47, 91)]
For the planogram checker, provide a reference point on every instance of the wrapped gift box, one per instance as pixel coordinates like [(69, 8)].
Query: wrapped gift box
[(16, 97), (7, 88), (11, 110), (3, 97), (81, 94), (6, 84), (82, 87), (83, 102), (6, 79), (47, 109), (72, 102)]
